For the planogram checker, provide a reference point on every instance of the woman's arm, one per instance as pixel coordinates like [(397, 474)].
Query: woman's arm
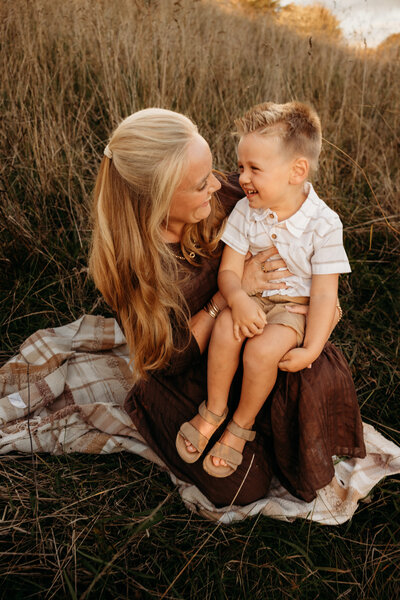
[(202, 323), (254, 280)]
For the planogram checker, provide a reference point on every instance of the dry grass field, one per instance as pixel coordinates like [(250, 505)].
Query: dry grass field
[(114, 526)]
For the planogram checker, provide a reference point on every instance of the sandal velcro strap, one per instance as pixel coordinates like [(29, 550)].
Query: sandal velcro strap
[(193, 435), (211, 417), (241, 432), (232, 457)]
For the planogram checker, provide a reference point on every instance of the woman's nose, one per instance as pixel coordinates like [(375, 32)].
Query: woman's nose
[(214, 184)]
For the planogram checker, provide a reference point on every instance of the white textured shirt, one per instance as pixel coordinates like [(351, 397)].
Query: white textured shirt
[(310, 241)]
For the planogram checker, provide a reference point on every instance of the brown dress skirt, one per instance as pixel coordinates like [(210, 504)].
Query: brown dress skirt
[(308, 417)]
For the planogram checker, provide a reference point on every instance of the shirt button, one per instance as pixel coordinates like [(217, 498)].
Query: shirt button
[(274, 236)]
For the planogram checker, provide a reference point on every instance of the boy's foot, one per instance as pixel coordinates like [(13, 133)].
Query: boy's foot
[(227, 454), (205, 428), (193, 436), (201, 425), (231, 440)]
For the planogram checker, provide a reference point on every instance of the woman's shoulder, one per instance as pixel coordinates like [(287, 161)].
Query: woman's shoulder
[(230, 191)]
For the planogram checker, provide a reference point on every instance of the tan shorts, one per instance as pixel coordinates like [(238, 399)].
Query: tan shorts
[(274, 308)]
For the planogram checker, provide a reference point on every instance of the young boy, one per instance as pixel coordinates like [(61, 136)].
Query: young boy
[(279, 145)]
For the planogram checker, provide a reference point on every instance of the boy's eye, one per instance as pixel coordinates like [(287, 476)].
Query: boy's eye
[(255, 168), (240, 167)]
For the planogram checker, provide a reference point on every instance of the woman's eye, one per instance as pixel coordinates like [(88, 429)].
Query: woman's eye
[(203, 186)]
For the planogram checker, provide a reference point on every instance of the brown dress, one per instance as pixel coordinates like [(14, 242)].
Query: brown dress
[(308, 417)]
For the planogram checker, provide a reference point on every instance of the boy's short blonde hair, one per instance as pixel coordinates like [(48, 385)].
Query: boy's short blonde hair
[(296, 124)]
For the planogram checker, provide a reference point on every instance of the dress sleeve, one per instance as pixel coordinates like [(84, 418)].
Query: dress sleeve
[(186, 353)]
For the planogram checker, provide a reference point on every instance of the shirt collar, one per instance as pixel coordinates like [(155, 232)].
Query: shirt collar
[(297, 223), (259, 214)]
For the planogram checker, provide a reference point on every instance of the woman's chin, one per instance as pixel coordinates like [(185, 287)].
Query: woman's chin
[(202, 212)]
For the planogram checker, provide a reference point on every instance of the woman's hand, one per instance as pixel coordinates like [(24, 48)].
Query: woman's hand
[(302, 309), (261, 274)]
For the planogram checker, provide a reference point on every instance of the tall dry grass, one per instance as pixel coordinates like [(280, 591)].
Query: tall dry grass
[(69, 71)]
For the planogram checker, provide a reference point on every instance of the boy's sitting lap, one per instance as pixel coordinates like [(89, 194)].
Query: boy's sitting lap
[(277, 314), (282, 332)]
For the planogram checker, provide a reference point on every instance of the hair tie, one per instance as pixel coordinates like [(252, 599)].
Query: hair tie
[(108, 152)]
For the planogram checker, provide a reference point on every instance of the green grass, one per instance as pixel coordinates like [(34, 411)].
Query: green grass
[(115, 526)]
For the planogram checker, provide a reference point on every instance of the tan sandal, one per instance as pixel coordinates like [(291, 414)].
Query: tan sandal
[(193, 435), (232, 457)]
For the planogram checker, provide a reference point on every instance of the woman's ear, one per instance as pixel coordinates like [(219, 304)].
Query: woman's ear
[(299, 171)]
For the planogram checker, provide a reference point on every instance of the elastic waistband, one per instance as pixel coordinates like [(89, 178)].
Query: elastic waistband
[(279, 299)]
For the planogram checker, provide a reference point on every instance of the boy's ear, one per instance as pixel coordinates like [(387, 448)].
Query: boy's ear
[(299, 171)]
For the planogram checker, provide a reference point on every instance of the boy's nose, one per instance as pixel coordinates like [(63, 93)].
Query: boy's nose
[(244, 177)]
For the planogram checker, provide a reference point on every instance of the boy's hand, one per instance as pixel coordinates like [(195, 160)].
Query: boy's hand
[(296, 360), (248, 318)]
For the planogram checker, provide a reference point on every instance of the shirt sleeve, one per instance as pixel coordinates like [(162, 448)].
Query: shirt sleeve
[(329, 254), (236, 228)]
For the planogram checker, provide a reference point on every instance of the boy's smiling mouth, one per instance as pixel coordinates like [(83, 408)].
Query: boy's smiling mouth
[(250, 192)]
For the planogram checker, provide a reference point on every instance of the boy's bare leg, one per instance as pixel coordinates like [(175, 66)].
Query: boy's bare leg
[(260, 367), (223, 360)]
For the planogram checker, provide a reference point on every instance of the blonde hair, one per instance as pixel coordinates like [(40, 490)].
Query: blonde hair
[(130, 262), (296, 124)]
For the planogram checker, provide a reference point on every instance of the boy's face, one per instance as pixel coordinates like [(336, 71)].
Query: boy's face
[(265, 170)]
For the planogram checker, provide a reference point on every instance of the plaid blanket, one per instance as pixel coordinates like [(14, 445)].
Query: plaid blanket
[(64, 392)]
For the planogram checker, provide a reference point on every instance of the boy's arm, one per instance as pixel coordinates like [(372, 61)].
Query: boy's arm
[(230, 274), (302, 309), (323, 296), (248, 318)]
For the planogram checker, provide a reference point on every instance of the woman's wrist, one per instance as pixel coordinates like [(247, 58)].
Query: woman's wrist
[(214, 306), (212, 309), (219, 300)]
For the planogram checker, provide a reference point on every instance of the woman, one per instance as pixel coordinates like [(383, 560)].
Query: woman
[(158, 217)]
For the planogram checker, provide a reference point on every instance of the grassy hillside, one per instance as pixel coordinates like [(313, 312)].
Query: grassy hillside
[(69, 71)]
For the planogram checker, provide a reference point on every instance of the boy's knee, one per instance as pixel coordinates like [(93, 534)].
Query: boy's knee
[(258, 353)]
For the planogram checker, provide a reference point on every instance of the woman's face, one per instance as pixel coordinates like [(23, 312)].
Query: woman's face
[(191, 200)]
